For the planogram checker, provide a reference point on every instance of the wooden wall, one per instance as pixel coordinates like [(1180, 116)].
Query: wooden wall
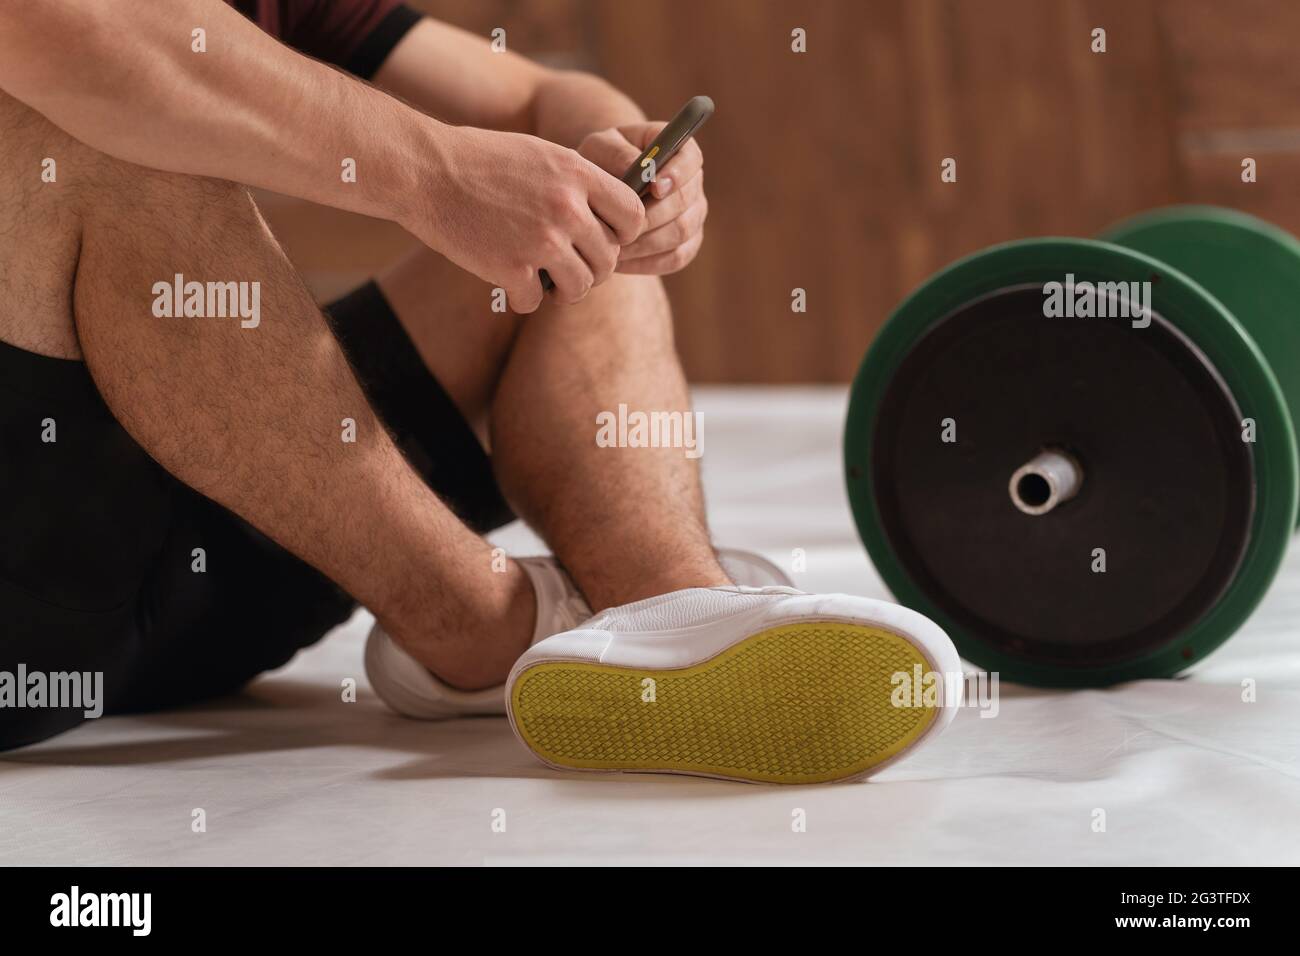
[(824, 167)]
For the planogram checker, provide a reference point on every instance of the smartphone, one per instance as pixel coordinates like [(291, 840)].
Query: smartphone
[(642, 173)]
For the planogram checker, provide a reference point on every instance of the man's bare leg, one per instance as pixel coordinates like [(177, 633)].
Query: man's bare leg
[(251, 417), (627, 523)]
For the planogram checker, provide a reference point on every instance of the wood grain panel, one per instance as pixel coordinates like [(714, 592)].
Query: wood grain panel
[(1235, 64), (1236, 75), (824, 167)]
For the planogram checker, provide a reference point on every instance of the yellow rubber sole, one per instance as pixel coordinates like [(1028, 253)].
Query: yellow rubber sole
[(801, 703)]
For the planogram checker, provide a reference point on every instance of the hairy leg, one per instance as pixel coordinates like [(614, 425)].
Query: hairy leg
[(627, 523), (253, 417), (39, 234)]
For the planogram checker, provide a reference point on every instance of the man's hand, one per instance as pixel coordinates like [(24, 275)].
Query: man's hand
[(676, 207), (506, 205)]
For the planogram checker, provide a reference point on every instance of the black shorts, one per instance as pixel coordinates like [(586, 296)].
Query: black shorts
[(97, 540)]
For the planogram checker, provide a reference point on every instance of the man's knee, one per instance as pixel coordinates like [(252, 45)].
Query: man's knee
[(145, 232), (79, 179), (149, 238), (39, 232), (631, 309), (146, 205)]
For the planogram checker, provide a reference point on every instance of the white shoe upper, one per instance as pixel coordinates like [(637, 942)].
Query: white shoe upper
[(409, 688), (686, 627)]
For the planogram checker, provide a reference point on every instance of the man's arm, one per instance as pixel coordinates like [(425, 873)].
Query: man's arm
[(121, 76), (455, 75)]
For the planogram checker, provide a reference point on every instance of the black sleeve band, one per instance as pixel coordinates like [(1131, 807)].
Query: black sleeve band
[(374, 49)]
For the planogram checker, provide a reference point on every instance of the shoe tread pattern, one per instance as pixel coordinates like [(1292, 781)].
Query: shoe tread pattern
[(800, 703)]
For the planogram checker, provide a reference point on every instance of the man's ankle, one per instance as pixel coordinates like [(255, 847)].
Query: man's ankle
[(474, 645), (631, 588)]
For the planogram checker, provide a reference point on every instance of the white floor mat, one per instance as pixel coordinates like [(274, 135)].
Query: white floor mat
[(1185, 771)]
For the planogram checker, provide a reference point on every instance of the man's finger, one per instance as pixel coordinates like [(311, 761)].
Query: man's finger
[(680, 169), (663, 211), (665, 262), (616, 204), (612, 153), (525, 296), (642, 135), (571, 275), (598, 245), (669, 236)]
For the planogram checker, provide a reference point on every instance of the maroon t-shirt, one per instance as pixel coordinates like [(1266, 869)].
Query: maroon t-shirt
[(357, 35)]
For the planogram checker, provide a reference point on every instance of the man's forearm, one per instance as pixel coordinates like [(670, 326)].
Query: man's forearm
[(454, 74), (121, 76)]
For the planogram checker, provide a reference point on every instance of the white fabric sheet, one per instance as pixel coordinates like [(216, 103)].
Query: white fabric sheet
[(1185, 771)]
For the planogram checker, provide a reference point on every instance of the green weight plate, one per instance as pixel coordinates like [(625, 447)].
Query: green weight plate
[(1188, 313), (1249, 265)]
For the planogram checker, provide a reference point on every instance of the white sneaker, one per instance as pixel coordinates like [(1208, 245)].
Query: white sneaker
[(759, 684), (407, 687)]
